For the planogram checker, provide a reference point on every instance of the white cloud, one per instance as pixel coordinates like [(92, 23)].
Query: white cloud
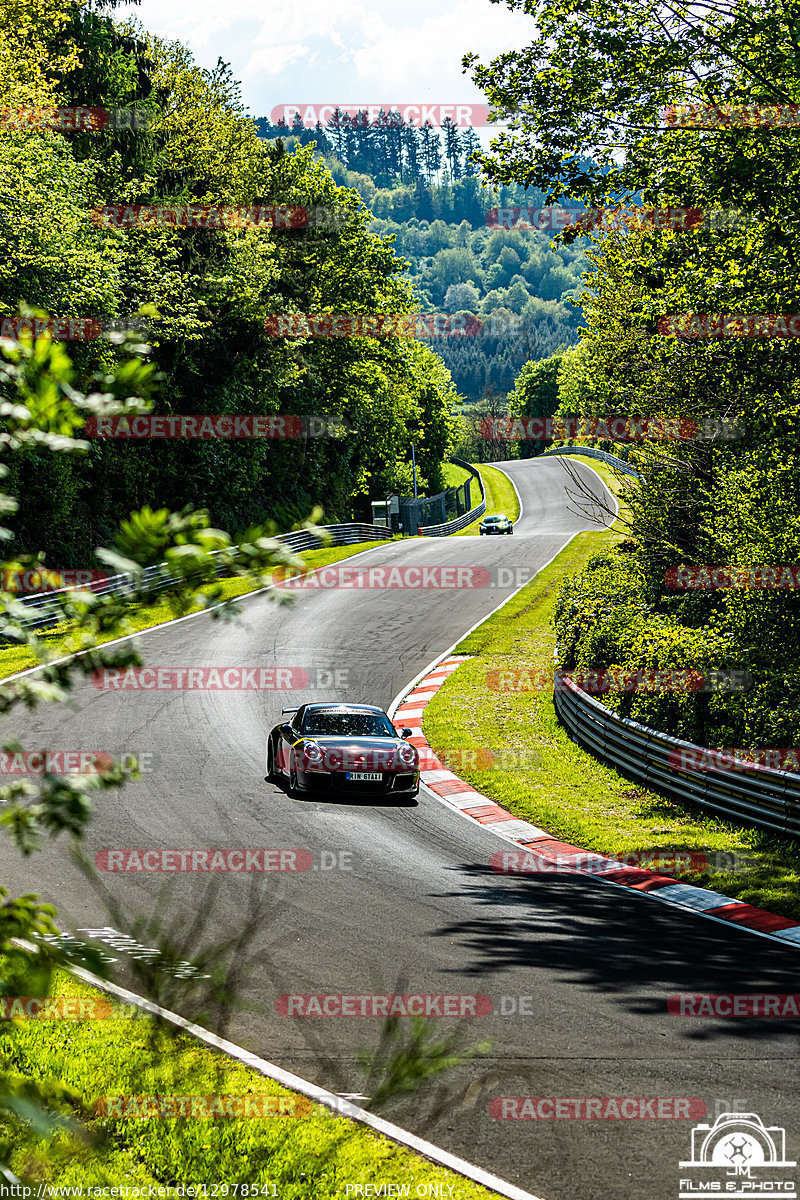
[(350, 51), (273, 60)]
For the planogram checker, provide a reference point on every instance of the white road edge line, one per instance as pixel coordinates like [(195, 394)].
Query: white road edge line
[(514, 486), (409, 687), (176, 620), (427, 1149), (599, 877), (772, 937), (340, 1105)]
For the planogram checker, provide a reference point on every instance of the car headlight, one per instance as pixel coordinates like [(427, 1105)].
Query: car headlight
[(312, 752), (407, 755)]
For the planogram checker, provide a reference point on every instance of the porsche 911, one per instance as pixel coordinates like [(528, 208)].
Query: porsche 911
[(349, 748)]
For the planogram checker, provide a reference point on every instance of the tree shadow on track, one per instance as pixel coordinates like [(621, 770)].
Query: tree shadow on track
[(627, 946)]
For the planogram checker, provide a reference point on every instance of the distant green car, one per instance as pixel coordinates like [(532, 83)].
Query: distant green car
[(498, 524)]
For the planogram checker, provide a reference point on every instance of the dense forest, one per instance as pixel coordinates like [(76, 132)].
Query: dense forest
[(422, 188), (208, 292), (730, 502), (387, 147)]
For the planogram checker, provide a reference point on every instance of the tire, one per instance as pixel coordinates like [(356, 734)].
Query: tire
[(272, 774), (511, 530), (292, 781)]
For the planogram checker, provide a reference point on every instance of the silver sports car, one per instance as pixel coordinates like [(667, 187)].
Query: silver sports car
[(354, 748)]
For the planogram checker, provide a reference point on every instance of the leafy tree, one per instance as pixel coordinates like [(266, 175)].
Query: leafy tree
[(461, 297), (209, 292), (536, 394), (594, 82)]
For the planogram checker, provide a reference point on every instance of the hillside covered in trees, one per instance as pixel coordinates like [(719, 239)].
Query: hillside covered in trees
[(422, 188)]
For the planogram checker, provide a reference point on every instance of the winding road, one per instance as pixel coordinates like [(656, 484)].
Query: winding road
[(420, 910)]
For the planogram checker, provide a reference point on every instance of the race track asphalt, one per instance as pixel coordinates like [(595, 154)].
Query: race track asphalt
[(419, 910)]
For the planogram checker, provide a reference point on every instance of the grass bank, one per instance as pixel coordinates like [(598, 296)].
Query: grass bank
[(561, 787), (292, 1157), (454, 475)]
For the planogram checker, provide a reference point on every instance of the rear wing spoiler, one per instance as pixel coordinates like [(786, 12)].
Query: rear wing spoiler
[(295, 709)]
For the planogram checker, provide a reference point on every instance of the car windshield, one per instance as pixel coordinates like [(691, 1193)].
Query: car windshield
[(494, 520), (330, 723)]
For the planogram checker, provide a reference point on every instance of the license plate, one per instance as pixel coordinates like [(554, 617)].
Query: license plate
[(365, 776)]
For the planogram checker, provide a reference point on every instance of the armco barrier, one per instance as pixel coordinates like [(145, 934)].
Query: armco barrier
[(763, 797), (456, 524), (465, 518), (47, 610), (590, 452)]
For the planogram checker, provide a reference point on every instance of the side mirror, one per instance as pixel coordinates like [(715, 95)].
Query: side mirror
[(406, 733)]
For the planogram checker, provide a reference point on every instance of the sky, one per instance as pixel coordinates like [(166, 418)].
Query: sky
[(345, 52)]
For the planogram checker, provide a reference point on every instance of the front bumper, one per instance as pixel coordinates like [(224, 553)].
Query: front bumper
[(392, 783)]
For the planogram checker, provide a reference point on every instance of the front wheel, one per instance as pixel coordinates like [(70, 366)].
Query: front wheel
[(292, 781), (511, 530), (272, 774)]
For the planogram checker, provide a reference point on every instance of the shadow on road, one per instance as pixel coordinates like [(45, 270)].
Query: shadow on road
[(607, 940)]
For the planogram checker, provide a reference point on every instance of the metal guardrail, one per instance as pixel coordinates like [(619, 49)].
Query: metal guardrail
[(590, 452), (465, 518), (764, 797), (48, 610), (456, 524)]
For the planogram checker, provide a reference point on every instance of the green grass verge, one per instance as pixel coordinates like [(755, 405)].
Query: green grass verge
[(561, 787), (500, 497), (454, 475), (290, 1157), (60, 641)]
